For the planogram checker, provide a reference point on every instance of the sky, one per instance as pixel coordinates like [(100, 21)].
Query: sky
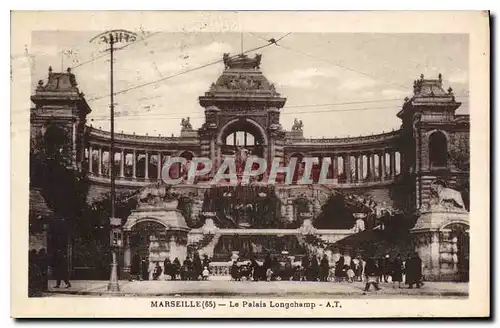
[(338, 84)]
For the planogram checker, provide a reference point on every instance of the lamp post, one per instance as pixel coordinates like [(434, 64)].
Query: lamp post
[(112, 38)]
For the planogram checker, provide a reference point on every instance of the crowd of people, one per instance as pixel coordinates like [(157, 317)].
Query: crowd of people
[(192, 268), (311, 268), (371, 271)]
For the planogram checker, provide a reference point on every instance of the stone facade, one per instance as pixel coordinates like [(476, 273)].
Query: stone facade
[(394, 170)]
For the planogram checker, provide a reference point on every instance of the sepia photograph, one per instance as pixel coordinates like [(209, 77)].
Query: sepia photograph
[(212, 168)]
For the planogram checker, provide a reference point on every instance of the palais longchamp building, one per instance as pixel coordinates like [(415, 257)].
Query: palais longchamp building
[(397, 192)]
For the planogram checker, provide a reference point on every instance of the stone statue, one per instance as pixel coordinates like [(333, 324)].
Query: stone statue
[(258, 58), (186, 124), (447, 196), (297, 125), (225, 59), (241, 156), (155, 194)]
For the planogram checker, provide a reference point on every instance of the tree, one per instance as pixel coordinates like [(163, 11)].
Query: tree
[(63, 187)]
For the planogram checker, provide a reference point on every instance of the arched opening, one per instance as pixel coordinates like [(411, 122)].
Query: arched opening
[(147, 239), (242, 134), (438, 150)]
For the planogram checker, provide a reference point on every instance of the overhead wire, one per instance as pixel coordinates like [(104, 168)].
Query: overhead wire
[(141, 115), (184, 72)]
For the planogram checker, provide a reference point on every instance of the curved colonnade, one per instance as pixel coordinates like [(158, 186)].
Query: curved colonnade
[(355, 161)]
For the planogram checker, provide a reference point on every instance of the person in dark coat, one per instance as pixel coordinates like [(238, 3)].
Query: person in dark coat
[(372, 273), (314, 269), (305, 268), (188, 269), (168, 268), (324, 268), (135, 267), (206, 263), (287, 270), (144, 274), (339, 269), (43, 264), (157, 271), (276, 268), (61, 269), (267, 262), (397, 271), (234, 272), (414, 271), (384, 264), (176, 268), (197, 266)]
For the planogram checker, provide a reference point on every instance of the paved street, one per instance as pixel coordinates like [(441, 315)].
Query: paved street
[(249, 288)]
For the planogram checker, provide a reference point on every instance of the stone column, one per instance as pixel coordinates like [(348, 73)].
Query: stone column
[(356, 168), (213, 156), (99, 164), (335, 164), (382, 172), (146, 166), (393, 164), (134, 163), (347, 167), (361, 175), (90, 159), (158, 164), (372, 166), (122, 163)]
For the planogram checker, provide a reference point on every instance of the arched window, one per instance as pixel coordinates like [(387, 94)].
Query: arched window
[(438, 150)]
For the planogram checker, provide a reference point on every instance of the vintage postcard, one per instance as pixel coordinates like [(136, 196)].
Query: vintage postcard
[(250, 164)]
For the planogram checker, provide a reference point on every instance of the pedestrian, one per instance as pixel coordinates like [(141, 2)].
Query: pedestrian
[(358, 271), (197, 266), (234, 272), (397, 271), (383, 264), (414, 271), (350, 274), (135, 268), (188, 269), (339, 269), (61, 269), (43, 264), (288, 270), (205, 273), (157, 271), (206, 262), (144, 272), (305, 268), (314, 269), (324, 268), (176, 268), (372, 272)]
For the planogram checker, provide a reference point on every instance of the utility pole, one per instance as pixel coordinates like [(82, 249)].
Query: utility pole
[(112, 38)]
